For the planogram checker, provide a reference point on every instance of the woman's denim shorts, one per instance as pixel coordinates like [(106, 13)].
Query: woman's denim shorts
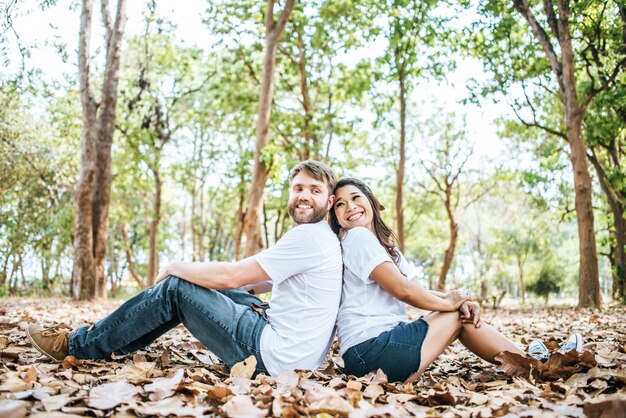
[(397, 352)]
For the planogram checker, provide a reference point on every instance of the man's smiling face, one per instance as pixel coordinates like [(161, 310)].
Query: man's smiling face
[(309, 199)]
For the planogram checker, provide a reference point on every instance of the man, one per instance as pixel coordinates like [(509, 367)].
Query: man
[(295, 332)]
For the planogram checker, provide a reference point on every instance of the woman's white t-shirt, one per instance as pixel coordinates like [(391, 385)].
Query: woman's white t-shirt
[(366, 309), (305, 268)]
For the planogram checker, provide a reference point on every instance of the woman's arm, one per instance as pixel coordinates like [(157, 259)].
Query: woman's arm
[(411, 292)]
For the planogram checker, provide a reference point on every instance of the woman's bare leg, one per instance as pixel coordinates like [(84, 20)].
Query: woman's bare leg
[(486, 342), (445, 327)]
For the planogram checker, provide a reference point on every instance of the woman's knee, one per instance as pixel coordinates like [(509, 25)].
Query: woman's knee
[(450, 320)]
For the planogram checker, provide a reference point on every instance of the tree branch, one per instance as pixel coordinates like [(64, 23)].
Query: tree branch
[(605, 84), (523, 8), (106, 20), (284, 17), (534, 124)]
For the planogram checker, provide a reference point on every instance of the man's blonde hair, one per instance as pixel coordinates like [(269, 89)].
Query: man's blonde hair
[(316, 169)]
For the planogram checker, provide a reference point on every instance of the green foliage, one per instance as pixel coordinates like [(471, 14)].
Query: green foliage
[(548, 281), (36, 212), (188, 114)]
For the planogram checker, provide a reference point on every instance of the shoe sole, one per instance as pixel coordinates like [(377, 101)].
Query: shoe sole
[(579, 343), (34, 344)]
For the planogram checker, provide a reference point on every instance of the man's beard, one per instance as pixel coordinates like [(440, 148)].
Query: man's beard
[(318, 213)]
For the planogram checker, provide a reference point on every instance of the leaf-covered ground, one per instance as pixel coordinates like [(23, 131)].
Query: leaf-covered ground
[(177, 376)]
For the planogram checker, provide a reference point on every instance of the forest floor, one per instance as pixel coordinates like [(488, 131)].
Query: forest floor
[(177, 376)]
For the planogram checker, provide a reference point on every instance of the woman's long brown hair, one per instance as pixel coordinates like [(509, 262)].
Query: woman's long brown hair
[(383, 233)]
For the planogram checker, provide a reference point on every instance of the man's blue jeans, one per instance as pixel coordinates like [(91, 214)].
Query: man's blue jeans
[(223, 320)]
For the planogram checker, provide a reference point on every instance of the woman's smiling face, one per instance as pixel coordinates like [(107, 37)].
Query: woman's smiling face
[(352, 208)]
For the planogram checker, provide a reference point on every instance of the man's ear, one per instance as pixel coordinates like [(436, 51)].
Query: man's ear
[(331, 200)]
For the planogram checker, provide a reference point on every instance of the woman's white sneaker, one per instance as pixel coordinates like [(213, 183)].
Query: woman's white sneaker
[(574, 342)]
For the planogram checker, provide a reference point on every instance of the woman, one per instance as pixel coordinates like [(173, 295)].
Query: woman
[(377, 282)]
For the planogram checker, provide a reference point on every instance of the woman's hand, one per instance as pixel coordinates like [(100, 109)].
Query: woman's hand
[(470, 313), (456, 298)]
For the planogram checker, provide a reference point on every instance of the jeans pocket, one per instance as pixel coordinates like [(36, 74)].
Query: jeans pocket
[(353, 363)]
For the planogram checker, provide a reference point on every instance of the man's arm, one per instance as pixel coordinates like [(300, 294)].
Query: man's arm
[(217, 275)]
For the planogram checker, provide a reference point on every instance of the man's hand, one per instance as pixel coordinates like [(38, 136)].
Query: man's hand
[(163, 273), (470, 313)]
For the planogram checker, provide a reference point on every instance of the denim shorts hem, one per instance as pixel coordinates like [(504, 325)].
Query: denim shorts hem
[(396, 352)]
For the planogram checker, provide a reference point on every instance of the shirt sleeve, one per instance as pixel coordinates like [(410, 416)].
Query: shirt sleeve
[(296, 252), (362, 253), (405, 268)]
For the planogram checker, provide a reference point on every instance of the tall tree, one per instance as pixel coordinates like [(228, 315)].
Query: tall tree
[(414, 34), (93, 191), (606, 134), (543, 52), (254, 212), (165, 80), (445, 169)]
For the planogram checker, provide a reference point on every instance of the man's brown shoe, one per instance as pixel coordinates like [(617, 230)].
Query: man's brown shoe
[(51, 343)]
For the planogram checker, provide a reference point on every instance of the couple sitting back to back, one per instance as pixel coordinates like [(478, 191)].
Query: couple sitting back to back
[(304, 271)]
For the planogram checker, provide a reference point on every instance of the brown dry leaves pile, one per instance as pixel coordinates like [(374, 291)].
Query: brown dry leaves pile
[(177, 376)]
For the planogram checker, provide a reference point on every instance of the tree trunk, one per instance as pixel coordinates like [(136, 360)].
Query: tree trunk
[(5, 264), (401, 166), (522, 283), (252, 220), (202, 226), (564, 71), (153, 261), (93, 191), (129, 257), (113, 265), (589, 284), (108, 108), (311, 146), (454, 233), (84, 274), (239, 227), (45, 274), (619, 223)]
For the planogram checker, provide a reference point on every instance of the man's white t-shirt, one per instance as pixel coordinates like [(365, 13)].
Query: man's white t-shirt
[(305, 267), (366, 310)]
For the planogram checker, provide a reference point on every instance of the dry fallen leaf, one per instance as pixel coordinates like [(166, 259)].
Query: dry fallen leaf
[(458, 384), (373, 391), (288, 378), (244, 368), (478, 399), (612, 406), (54, 403), (138, 372), (517, 365), (109, 395), (13, 409), (241, 406), (31, 375), (322, 399), (14, 383), (219, 392), (168, 407), (71, 362), (164, 388)]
